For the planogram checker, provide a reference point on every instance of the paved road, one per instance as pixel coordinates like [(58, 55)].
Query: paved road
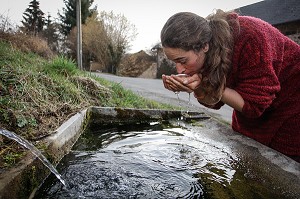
[(154, 89)]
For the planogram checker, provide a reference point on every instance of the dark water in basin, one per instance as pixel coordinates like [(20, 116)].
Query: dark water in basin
[(150, 161)]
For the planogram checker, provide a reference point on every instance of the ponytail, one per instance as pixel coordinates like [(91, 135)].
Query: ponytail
[(218, 61)]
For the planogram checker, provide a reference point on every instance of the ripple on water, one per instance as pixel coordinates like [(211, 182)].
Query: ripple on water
[(155, 161)]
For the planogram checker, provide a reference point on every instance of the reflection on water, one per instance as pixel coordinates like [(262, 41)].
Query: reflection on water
[(149, 161)]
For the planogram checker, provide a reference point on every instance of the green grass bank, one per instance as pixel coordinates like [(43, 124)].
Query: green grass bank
[(37, 95)]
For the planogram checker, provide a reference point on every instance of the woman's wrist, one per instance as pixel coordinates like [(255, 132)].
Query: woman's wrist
[(206, 97), (199, 93)]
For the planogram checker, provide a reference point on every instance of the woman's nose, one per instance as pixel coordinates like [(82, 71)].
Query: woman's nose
[(180, 68)]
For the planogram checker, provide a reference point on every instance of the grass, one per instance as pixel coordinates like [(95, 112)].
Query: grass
[(37, 95)]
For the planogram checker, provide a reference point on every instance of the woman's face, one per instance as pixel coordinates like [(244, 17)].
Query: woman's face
[(187, 62)]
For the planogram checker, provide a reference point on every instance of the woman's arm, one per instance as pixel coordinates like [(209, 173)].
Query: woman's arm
[(229, 96), (233, 99)]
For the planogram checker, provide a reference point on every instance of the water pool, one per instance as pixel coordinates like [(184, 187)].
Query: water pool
[(171, 159)]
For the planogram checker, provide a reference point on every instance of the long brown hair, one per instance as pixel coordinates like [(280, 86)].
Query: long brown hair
[(189, 31)]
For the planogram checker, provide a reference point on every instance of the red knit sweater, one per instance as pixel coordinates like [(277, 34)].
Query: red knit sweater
[(266, 73)]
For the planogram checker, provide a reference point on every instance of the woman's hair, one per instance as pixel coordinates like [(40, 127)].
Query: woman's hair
[(189, 31)]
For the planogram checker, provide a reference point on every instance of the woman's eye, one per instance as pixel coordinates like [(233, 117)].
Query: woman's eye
[(182, 62)]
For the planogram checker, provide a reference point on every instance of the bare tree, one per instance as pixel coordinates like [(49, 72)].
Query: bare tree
[(105, 39), (95, 40), (119, 29), (6, 25), (120, 32)]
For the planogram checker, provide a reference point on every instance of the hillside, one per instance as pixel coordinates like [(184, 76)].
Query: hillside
[(139, 64)]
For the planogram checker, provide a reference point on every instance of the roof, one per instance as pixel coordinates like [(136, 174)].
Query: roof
[(273, 11)]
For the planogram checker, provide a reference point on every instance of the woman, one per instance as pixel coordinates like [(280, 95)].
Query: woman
[(245, 63)]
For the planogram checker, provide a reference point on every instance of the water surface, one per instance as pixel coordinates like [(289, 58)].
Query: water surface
[(156, 160)]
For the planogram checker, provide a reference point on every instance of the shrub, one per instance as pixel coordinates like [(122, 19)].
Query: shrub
[(27, 43)]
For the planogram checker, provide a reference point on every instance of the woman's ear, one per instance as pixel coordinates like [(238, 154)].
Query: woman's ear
[(206, 47)]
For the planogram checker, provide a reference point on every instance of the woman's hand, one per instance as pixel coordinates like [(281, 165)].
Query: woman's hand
[(181, 82), (203, 91)]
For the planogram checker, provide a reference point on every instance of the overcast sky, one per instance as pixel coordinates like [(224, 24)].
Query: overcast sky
[(148, 16)]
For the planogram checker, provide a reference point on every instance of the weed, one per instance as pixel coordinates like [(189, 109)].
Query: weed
[(11, 158), (61, 66)]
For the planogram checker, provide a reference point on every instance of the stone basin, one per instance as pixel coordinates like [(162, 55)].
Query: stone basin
[(267, 167)]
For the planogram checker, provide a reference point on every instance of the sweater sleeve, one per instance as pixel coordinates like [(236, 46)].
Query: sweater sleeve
[(216, 106), (256, 79)]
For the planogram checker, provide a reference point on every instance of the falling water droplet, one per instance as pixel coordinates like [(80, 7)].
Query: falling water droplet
[(177, 93)]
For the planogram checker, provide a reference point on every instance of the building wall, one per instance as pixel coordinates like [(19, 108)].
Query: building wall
[(291, 29), (295, 37)]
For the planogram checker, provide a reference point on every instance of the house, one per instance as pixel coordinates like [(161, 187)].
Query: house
[(282, 14)]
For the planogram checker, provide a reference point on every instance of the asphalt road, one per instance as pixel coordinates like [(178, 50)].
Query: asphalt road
[(153, 89)]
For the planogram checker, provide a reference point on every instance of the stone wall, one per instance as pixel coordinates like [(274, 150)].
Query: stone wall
[(291, 30), (295, 37)]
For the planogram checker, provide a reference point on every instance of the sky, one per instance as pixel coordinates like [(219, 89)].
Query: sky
[(148, 16)]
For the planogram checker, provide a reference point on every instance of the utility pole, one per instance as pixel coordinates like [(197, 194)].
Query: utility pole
[(79, 34)]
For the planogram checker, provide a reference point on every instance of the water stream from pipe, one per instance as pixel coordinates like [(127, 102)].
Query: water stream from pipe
[(33, 150)]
